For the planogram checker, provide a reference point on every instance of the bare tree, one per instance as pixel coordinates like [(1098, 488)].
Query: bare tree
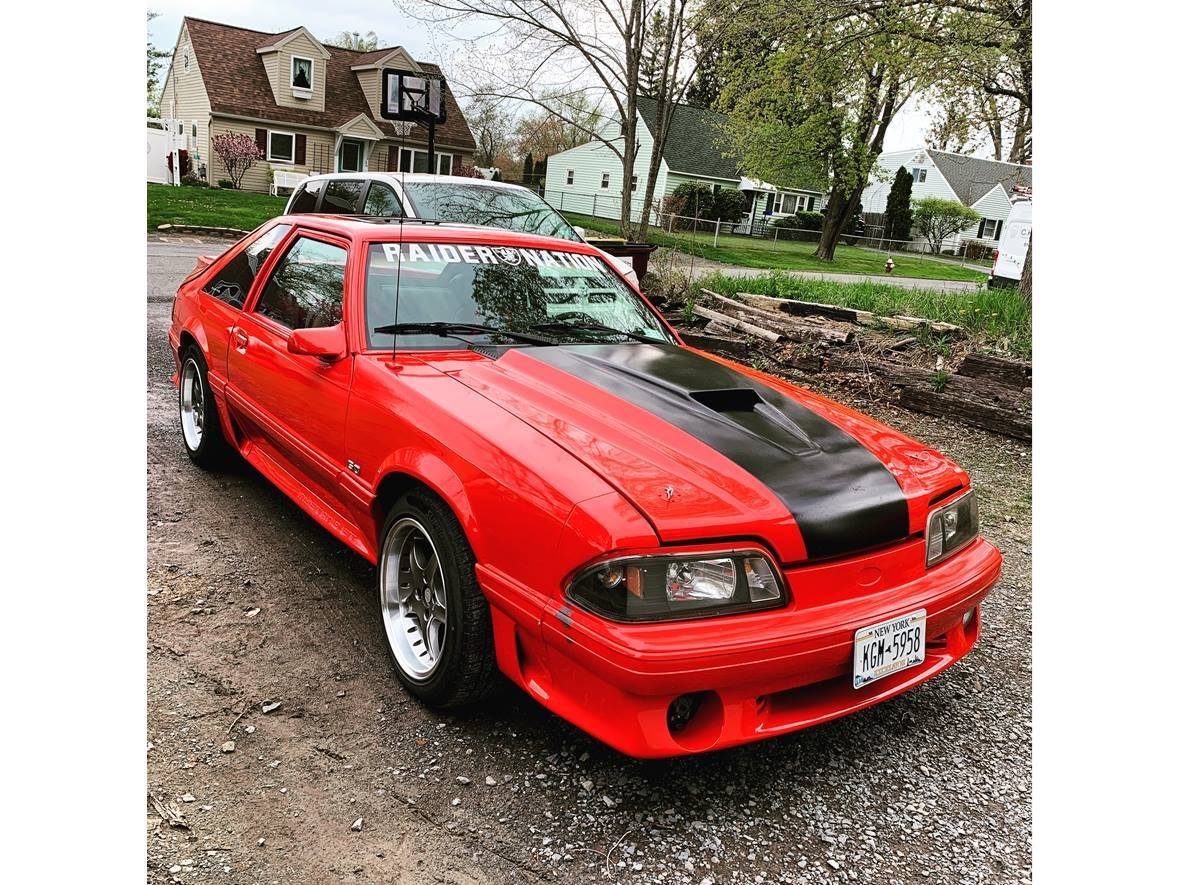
[(543, 134), (355, 40), (560, 50), (491, 125)]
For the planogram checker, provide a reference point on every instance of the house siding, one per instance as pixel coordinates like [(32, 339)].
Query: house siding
[(586, 196), (320, 144), (278, 71), (995, 205), (184, 96)]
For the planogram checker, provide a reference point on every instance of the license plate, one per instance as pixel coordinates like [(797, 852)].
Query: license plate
[(883, 649)]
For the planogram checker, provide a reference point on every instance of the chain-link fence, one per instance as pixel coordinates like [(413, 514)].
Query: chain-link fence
[(774, 229)]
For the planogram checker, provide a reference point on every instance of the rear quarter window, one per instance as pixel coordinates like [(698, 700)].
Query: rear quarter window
[(232, 282), (343, 197)]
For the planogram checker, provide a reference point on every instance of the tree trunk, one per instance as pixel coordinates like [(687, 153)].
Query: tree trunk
[(1026, 274), (840, 209)]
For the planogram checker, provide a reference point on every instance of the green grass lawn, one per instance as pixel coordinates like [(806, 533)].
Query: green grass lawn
[(788, 254), (999, 318), (209, 207)]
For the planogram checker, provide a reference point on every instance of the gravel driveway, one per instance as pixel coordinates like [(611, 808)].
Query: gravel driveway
[(250, 604)]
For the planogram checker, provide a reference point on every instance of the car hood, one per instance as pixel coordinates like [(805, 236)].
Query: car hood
[(706, 449)]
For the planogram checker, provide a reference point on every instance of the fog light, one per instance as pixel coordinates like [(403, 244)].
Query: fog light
[(968, 617), (681, 711)]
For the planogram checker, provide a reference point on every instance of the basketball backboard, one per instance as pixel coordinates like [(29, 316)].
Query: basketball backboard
[(412, 95)]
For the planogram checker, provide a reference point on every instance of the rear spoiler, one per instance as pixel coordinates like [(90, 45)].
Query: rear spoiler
[(203, 262)]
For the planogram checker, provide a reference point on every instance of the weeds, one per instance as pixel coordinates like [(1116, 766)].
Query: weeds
[(997, 318)]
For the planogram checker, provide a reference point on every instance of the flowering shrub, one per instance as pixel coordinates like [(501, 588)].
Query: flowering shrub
[(237, 152)]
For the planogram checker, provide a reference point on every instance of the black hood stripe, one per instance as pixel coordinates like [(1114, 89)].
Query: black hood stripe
[(841, 495)]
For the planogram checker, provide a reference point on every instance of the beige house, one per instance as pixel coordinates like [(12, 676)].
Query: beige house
[(311, 108)]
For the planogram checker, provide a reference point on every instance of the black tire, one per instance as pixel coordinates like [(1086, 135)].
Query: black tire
[(466, 672), (212, 450)]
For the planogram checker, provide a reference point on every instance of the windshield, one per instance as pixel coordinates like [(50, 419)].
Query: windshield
[(503, 207), (502, 287)]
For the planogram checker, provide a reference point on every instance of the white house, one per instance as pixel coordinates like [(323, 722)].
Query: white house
[(984, 185), (587, 179)]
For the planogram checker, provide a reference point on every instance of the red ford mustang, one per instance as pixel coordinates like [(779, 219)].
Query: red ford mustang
[(674, 552)]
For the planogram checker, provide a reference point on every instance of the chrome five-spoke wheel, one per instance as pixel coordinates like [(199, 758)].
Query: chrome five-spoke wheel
[(413, 598), (192, 404)]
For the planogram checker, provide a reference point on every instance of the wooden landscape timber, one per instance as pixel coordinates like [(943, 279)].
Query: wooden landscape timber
[(985, 391), (847, 314)]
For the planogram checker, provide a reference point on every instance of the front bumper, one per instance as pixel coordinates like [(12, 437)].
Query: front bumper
[(757, 675)]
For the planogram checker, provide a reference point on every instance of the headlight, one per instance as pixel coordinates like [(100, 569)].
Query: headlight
[(677, 586), (951, 527)]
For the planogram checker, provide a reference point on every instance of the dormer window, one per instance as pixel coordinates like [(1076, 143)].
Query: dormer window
[(302, 76)]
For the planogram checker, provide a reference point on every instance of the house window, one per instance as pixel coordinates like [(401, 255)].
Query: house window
[(280, 147), (411, 160), (919, 175), (302, 73), (989, 228), (352, 154), (605, 179), (634, 182), (186, 61), (569, 176)]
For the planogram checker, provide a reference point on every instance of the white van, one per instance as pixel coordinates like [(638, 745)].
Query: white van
[(1008, 264)]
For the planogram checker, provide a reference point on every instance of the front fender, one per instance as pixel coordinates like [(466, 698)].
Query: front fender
[(432, 471)]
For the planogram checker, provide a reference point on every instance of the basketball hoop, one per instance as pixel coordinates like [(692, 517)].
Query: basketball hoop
[(409, 97)]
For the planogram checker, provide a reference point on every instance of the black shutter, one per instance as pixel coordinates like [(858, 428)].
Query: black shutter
[(979, 233), (999, 227), (260, 140), (391, 159), (300, 150)]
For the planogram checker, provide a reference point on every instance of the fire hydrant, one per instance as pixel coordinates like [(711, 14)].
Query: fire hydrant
[(888, 265)]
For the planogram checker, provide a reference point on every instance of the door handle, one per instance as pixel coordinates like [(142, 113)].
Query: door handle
[(241, 339)]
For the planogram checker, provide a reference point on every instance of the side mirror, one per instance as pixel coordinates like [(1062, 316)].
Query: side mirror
[(327, 343), (580, 231)]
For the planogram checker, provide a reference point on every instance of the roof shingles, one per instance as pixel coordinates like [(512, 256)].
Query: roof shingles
[(236, 82), (972, 178)]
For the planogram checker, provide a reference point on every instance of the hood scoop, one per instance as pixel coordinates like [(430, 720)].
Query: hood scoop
[(745, 407)]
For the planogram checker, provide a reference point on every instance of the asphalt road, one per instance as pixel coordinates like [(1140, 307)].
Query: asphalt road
[(251, 603)]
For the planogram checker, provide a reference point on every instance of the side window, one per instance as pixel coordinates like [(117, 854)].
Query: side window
[(306, 289), (382, 201), (343, 197), (232, 283), (306, 196)]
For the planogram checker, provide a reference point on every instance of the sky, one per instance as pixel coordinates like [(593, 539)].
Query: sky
[(424, 42)]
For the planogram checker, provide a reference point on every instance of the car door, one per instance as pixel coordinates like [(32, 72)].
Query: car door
[(221, 300), (295, 405)]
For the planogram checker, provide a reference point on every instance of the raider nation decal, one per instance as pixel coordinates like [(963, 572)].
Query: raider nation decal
[(842, 497)]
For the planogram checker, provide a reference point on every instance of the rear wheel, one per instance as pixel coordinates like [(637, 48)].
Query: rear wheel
[(436, 619), (200, 425)]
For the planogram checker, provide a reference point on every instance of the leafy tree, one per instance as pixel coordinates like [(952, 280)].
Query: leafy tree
[(937, 219), (155, 63), (819, 106), (899, 217), (238, 152), (355, 40)]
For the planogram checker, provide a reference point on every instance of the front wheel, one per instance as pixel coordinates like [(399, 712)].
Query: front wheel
[(436, 618), (200, 426)]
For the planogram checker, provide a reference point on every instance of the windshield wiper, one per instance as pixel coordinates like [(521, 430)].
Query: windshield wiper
[(594, 328), (449, 330)]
